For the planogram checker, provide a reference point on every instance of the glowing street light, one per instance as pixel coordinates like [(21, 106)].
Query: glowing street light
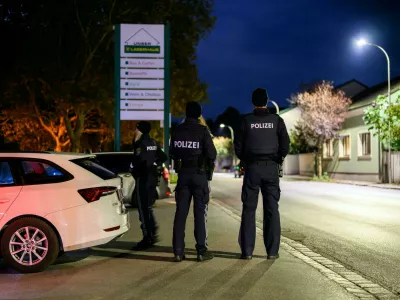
[(361, 43), (232, 136)]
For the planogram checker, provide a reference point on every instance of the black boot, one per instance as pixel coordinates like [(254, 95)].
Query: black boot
[(207, 255), (179, 258), (143, 245)]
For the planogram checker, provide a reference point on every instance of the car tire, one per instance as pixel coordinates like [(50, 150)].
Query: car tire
[(36, 256)]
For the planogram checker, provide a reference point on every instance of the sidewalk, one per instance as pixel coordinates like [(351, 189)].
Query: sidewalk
[(226, 277), (351, 182)]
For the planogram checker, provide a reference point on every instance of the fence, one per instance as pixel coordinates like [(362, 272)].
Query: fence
[(395, 164)]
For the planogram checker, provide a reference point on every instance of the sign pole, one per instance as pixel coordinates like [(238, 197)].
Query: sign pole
[(167, 86), (117, 87)]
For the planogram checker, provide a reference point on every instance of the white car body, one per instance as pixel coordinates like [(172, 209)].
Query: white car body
[(77, 222), (128, 180)]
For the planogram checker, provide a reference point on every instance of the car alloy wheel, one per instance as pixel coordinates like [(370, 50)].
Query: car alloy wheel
[(28, 246)]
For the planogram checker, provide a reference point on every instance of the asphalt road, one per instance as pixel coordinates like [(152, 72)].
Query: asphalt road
[(356, 226), (113, 271)]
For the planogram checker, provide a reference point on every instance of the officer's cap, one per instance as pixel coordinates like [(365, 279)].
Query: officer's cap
[(144, 127), (260, 97), (193, 110)]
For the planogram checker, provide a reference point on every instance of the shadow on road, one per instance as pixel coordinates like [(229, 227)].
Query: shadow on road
[(239, 287), (165, 249)]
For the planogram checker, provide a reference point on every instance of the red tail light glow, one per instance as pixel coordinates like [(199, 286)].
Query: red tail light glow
[(94, 194)]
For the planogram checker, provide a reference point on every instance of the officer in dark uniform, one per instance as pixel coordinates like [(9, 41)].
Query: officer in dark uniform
[(147, 155), (193, 152), (262, 144)]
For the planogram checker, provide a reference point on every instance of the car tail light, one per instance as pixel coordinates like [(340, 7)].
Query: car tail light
[(168, 193), (94, 194)]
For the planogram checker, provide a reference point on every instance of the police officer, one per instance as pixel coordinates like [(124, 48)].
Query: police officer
[(262, 144), (192, 149), (146, 156)]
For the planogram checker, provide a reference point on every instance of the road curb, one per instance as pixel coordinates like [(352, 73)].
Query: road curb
[(366, 184), (349, 280)]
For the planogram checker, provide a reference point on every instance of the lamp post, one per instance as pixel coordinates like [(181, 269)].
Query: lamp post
[(232, 137), (361, 43), (276, 106)]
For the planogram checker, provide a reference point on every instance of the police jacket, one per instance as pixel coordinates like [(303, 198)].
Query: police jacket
[(147, 155), (189, 141), (262, 136)]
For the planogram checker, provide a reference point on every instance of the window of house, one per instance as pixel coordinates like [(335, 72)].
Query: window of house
[(364, 144), (328, 149), (345, 147)]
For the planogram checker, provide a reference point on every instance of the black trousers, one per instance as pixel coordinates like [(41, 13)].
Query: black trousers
[(146, 193), (191, 185), (264, 176)]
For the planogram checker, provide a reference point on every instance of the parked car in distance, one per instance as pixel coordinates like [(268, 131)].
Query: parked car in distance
[(119, 163), (52, 203)]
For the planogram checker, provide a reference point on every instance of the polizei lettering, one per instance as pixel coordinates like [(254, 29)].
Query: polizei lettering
[(187, 144), (151, 148), (262, 125)]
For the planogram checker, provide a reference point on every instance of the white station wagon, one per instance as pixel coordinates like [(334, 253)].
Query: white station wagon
[(52, 203)]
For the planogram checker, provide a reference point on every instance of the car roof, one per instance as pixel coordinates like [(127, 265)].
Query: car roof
[(112, 153), (53, 156)]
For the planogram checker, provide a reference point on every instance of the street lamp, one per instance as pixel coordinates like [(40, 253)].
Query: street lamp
[(363, 42), (276, 106), (232, 136)]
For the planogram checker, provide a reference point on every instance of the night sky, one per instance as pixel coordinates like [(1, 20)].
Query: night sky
[(278, 46)]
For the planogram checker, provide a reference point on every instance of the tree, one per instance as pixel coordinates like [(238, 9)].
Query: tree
[(322, 114), (229, 117), (223, 146), (298, 142), (73, 55), (377, 116)]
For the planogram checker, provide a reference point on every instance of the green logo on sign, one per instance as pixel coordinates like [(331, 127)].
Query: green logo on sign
[(142, 49)]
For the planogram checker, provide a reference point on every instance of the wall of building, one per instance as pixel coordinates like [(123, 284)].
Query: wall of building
[(291, 165), (291, 117), (306, 164)]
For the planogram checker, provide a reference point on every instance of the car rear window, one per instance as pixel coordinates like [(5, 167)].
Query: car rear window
[(118, 163), (41, 172), (6, 177), (94, 167)]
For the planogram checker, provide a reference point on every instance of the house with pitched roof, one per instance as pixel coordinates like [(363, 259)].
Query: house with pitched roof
[(357, 154)]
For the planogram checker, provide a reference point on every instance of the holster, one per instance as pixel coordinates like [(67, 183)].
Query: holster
[(280, 170), (207, 166)]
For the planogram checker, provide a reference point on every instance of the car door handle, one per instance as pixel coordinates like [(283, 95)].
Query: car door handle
[(127, 175)]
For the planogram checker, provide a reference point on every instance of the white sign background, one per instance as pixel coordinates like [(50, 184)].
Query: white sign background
[(142, 94), (138, 33), (142, 105), (142, 73), (142, 84), (142, 63), (136, 115), (145, 76)]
